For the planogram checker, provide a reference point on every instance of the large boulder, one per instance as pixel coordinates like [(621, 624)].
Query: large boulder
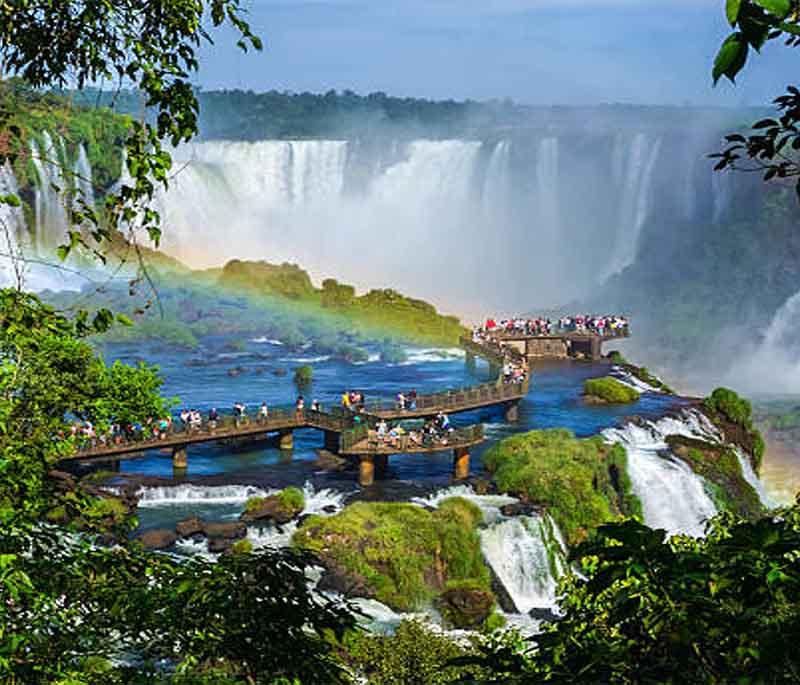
[(190, 527), (220, 545), (347, 583), (466, 606), (227, 531), (157, 539), (280, 508)]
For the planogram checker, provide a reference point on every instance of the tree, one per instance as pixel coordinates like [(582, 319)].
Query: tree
[(772, 146), (152, 45)]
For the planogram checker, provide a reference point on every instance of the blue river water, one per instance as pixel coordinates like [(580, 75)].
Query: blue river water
[(202, 379)]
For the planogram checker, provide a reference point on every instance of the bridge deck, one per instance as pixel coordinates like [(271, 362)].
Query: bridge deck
[(460, 439)]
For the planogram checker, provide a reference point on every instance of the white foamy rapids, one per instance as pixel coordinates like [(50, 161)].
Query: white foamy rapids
[(310, 360), (415, 355), (167, 495), (266, 341), (194, 548), (489, 504), (526, 553), (325, 502), (673, 497), (632, 381)]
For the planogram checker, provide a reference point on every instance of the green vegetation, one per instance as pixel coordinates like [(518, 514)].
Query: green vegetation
[(193, 305), (293, 499), (400, 554), (733, 415), (609, 390), (719, 466), (243, 546), (582, 483), (414, 655), (650, 610), (303, 375)]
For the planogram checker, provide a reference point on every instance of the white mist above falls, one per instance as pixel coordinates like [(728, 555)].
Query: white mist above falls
[(500, 225)]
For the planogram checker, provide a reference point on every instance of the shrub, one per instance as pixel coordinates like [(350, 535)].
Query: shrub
[(610, 390), (292, 498), (727, 403), (303, 375), (253, 504)]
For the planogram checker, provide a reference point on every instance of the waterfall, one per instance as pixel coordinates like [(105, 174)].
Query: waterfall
[(547, 185), (775, 363), (673, 497), (488, 504), (14, 233), (82, 175), (635, 187), (721, 195), (51, 213), (526, 554)]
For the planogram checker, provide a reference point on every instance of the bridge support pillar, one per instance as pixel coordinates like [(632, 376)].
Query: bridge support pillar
[(512, 412), (381, 465), (366, 470), (331, 441), (494, 370), (286, 440), (460, 463), (597, 348), (179, 461)]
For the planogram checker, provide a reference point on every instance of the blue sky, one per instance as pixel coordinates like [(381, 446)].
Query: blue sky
[(534, 51)]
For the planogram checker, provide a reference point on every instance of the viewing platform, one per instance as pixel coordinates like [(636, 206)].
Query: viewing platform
[(561, 344)]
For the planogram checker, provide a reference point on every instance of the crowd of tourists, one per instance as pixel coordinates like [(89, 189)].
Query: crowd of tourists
[(608, 326), (407, 401), (435, 431), (353, 401)]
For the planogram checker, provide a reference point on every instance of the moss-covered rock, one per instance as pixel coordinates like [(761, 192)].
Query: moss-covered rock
[(280, 508), (640, 372), (465, 604), (581, 483), (720, 467), (400, 554), (608, 391), (733, 415)]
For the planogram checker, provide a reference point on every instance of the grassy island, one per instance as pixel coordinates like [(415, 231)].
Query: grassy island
[(608, 391), (582, 483), (403, 555)]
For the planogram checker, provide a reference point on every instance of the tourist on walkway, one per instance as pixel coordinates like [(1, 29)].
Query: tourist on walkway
[(213, 417), (412, 400), (300, 408), (263, 413)]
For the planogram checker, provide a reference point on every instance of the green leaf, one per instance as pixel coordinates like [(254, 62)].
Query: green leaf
[(10, 200), (778, 8), (731, 57), (732, 8), (124, 320)]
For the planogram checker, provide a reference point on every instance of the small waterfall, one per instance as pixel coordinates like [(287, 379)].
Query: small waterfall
[(526, 554), (167, 495), (82, 174), (488, 504), (673, 497)]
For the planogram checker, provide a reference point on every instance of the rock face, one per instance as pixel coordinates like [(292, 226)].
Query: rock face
[(466, 607), (157, 539), (338, 579), (190, 527), (520, 509)]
